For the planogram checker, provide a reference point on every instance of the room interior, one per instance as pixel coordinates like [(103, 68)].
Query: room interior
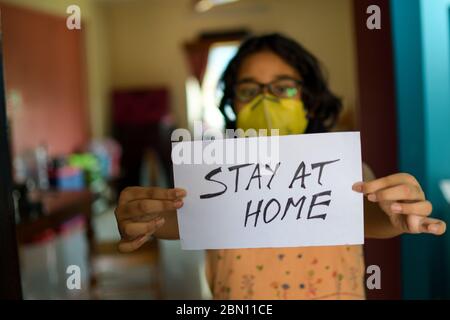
[(94, 107)]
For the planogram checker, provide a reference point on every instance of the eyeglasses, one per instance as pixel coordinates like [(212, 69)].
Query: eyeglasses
[(247, 90)]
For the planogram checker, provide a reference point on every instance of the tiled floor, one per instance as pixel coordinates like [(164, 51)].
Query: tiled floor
[(130, 276), (159, 270)]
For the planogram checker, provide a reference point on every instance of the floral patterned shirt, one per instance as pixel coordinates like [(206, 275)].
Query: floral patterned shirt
[(287, 273)]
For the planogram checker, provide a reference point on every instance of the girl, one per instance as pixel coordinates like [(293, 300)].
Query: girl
[(273, 82)]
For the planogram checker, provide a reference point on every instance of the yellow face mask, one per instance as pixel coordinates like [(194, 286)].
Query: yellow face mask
[(269, 112)]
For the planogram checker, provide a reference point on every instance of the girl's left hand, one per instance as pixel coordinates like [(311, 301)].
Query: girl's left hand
[(402, 199)]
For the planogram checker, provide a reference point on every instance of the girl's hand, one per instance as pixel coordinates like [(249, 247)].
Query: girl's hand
[(402, 199), (140, 213)]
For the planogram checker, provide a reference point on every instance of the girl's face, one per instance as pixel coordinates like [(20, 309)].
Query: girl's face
[(264, 67)]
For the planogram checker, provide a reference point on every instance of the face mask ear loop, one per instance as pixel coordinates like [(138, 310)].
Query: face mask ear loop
[(272, 98), (256, 103), (267, 116)]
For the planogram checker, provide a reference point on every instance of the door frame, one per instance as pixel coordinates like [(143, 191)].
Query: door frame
[(10, 284), (376, 109)]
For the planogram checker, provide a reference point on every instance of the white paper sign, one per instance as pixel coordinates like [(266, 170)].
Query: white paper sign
[(301, 195)]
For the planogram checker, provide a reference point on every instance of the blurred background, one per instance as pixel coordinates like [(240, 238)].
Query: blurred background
[(90, 111)]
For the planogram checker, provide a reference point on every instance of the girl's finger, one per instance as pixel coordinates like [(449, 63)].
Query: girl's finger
[(139, 208), (385, 182), (398, 193), (141, 193), (417, 224), (421, 208), (133, 230), (129, 246), (438, 228)]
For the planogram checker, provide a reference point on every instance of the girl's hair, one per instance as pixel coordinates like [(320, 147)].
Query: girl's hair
[(322, 105)]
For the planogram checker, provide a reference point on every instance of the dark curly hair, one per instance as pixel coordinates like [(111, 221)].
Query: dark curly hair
[(322, 105)]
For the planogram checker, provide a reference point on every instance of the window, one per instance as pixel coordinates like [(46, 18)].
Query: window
[(203, 100)]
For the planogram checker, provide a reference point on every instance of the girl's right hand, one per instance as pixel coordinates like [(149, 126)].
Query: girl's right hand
[(142, 210)]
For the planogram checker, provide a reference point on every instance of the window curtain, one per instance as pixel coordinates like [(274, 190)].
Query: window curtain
[(197, 57), (197, 51)]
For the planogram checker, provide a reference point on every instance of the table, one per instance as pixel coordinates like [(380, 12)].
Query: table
[(59, 207)]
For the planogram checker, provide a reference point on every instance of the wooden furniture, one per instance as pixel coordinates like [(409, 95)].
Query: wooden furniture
[(104, 258), (59, 207), (138, 126)]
